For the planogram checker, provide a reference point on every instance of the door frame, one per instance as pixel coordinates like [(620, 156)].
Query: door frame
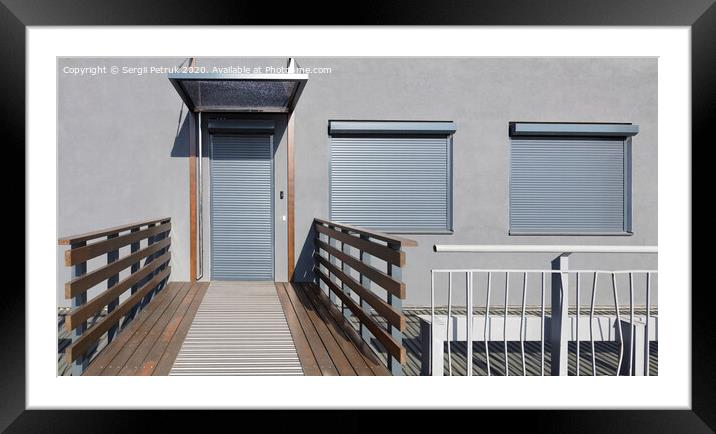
[(196, 129)]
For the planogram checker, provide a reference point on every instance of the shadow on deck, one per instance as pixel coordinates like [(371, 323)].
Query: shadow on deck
[(149, 344), (606, 353), (325, 342)]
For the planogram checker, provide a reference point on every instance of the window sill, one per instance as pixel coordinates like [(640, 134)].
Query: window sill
[(427, 232), (572, 234)]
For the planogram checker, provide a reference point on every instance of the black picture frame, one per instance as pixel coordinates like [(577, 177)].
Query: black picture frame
[(16, 15)]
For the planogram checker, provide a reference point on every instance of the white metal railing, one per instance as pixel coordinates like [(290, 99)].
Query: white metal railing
[(632, 327), (541, 248)]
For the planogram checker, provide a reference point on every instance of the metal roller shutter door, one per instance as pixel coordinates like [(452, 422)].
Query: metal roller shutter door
[(241, 207)]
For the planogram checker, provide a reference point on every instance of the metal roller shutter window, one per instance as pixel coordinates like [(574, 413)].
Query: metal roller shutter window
[(395, 184), (568, 186), (241, 207)]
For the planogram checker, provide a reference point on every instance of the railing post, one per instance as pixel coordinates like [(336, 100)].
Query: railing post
[(150, 258), (396, 273), (332, 259), (162, 251), (80, 269), (560, 327), (111, 257), (346, 248), (134, 248), (316, 264), (365, 334)]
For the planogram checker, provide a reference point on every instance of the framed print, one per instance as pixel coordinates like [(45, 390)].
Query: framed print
[(233, 215)]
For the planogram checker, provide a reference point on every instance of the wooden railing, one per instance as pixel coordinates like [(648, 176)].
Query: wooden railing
[(343, 251), (143, 282)]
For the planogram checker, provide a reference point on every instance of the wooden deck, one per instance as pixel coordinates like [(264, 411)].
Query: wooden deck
[(239, 329), (325, 341), (153, 343), (326, 344), (150, 343), (606, 352)]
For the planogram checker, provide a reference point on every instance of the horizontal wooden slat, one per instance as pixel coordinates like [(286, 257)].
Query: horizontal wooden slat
[(83, 254), (83, 283), (391, 239), (81, 313), (386, 282), (72, 239), (393, 348), (80, 347), (384, 309), (395, 257)]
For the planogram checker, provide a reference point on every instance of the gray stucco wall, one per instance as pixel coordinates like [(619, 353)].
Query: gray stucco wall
[(121, 143), (481, 96), (122, 148)]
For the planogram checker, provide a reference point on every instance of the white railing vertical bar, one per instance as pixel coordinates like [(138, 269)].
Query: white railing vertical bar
[(487, 322), (541, 248), (504, 325), (591, 324), (632, 346), (600, 323), (619, 322), (432, 316), (468, 314), (449, 322), (543, 326), (577, 325), (522, 323), (648, 316)]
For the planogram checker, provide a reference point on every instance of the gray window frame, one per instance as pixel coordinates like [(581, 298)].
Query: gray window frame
[(557, 130), (401, 128)]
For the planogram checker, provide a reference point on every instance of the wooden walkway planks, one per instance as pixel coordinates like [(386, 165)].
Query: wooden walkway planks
[(154, 335), (325, 344), (164, 365), (239, 329), (300, 341), (322, 341), (308, 330)]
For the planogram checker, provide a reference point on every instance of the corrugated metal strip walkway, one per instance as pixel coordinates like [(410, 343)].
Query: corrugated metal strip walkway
[(239, 329)]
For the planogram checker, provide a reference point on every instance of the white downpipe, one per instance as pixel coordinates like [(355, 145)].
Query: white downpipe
[(200, 202)]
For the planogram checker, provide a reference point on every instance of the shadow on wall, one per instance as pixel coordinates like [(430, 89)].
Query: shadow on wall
[(181, 141), (183, 135), (304, 265)]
